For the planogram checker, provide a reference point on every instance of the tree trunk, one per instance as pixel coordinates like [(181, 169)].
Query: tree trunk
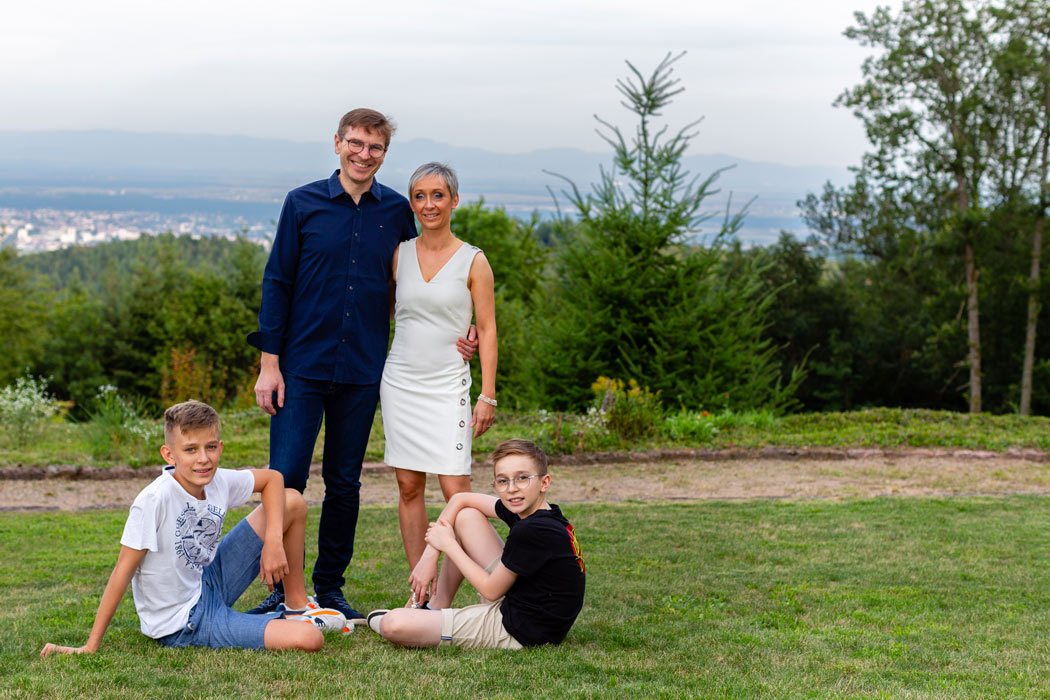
[(1033, 319), (973, 329)]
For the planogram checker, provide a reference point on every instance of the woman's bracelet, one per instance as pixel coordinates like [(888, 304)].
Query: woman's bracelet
[(490, 402)]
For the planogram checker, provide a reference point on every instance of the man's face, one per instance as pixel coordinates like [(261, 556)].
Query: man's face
[(195, 455), (360, 166)]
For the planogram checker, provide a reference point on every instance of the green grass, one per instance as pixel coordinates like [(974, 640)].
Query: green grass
[(246, 434), (885, 598)]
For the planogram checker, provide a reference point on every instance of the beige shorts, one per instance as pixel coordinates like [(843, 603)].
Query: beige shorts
[(477, 626)]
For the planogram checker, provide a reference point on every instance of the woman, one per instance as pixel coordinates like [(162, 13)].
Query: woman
[(439, 281)]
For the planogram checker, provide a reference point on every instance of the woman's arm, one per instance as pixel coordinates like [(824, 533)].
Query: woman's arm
[(482, 292), (393, 283)]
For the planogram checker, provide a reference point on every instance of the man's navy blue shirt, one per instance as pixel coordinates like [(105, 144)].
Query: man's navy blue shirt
[(325, 296)]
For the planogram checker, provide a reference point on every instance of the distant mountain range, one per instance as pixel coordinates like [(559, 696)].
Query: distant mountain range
[(84, 169)]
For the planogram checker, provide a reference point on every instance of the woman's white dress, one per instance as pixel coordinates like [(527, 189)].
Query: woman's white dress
[(425, 392)]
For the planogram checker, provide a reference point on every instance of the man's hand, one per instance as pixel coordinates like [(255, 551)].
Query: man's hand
[(469, 345), (50, 649), (270, 380), (273, 564)]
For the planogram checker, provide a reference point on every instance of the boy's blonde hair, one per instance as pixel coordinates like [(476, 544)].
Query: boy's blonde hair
[(187, 416), (527, 448)]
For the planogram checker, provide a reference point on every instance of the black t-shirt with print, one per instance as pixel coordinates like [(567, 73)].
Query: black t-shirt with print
[(548, 594)]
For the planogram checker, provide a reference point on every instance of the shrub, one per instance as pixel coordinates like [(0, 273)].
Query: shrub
[(630, 412), (690, 427), (117, 429), (567, 433), (25, 406)]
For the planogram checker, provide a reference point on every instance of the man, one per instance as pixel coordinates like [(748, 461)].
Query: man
[(323, 329)]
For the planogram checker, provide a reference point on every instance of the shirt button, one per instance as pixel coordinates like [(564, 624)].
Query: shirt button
[(351, 287), (348, 314), (352, 261), (355, 235), (343, 340)]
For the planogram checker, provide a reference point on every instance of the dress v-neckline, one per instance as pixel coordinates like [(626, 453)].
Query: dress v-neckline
[(443, 265)]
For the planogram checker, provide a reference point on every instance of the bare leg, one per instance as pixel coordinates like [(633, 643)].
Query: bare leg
[(412, 513), (290, 634), (479, 540), (451, 485), (411, 628)]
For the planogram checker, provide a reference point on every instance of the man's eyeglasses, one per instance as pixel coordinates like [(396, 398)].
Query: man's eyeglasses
[(521, 481), (355, 146)]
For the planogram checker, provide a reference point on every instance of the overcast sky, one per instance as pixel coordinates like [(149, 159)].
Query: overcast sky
[(503, 76)]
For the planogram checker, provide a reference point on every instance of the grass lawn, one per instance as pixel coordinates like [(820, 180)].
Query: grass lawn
[(887, 598)]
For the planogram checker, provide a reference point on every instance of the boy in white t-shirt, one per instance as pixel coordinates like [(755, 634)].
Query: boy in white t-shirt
[(185, 576)]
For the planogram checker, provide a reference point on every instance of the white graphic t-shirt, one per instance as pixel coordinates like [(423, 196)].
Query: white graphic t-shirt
[(181, 535)]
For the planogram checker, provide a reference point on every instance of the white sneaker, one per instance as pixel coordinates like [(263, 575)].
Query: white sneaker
[(325, 619), (374, 618)]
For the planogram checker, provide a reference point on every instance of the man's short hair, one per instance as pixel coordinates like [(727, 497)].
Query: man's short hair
[(518, 446), (441, 170), (370, 119), (188, 416)]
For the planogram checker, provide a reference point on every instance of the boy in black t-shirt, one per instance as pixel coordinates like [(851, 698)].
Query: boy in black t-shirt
[(531, 587)]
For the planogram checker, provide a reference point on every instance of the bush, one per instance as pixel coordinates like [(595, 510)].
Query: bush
[(568, 433), (24, 406), (690, 427), (632, 412), (117, 429)]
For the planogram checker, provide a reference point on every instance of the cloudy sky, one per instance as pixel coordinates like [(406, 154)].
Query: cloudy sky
[(508, 77)]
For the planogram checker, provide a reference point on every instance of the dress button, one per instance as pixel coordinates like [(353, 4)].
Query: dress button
[(459, 445), (462, 423), (462, 402), (463, 382)]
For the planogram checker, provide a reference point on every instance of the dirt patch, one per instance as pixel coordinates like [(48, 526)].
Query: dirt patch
[(682, 475)]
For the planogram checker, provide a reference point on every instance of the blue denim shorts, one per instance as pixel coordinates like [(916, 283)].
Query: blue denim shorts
[(213, 622)]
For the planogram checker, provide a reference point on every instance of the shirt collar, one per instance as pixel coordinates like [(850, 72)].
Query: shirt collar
[(335, 188)]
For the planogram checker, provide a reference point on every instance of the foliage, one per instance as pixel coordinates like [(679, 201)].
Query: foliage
[(571, 433), (24, 406), (630, 411), (634, 295), (117, 429), (890, 597), (24, 305)]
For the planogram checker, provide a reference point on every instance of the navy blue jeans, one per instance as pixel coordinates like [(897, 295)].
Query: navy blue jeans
[(347, 411)]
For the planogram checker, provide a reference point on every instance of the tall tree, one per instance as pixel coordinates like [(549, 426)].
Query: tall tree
[(923, 110), (634, 296), (1019, 134)]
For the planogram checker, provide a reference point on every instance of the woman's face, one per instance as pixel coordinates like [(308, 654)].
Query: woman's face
[(432, 202)]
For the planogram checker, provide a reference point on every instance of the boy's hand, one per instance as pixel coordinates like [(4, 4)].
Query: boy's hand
[(440, 535), (50, 649), (424, 576), (273, 564)]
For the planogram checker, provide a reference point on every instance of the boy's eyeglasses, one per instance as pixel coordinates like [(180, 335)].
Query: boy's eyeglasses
[(521, 481)]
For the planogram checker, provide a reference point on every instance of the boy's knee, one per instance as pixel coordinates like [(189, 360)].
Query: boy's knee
[(468, 519), (294, 505), (313, 641)]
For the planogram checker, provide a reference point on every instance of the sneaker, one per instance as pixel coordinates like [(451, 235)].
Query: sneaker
[(336, 601), (311, 604), (325, 619), (269, 605), (374, 618)]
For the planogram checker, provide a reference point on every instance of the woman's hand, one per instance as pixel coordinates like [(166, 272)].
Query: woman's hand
[(484, 415)]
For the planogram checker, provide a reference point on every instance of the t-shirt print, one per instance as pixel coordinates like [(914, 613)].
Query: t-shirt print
[(197, 534)]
